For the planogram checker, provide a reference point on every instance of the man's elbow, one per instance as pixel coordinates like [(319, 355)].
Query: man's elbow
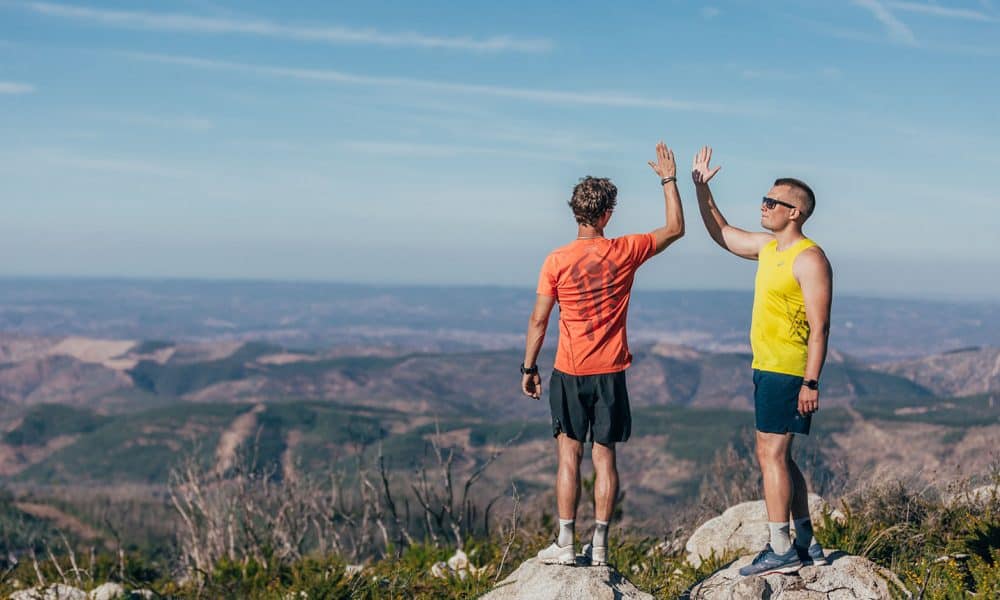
[(674, 232), (536, 323)]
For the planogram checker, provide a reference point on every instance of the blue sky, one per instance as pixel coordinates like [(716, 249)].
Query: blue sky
[(437, 142)]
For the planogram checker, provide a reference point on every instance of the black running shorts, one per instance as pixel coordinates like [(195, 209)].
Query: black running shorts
[(590, 407), (776, 403)]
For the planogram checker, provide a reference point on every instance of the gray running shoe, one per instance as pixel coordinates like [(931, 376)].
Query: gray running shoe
[(557, 555), (597, 556), (812, 556), (769, 562)]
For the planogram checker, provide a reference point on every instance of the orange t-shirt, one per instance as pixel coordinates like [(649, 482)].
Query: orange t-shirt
[(592, 281)]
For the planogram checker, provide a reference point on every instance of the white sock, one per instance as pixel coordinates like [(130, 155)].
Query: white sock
[(566, 532), (780, 541), (804, 536), (600, 534)]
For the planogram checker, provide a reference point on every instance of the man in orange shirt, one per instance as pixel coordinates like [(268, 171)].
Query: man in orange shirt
[(591, 279)]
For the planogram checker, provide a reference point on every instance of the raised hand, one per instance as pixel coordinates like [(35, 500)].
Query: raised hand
[(701, 172), (664, 165)]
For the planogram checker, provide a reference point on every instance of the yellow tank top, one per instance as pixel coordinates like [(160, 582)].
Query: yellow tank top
[(779, 330)]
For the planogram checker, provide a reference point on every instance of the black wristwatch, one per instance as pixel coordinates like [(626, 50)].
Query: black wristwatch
[(812, 384), (529, 370)]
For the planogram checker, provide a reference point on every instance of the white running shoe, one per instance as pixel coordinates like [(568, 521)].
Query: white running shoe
[(557, 555), (597, 555)]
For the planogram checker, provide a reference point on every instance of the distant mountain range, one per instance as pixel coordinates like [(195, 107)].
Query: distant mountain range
[(110, 383)]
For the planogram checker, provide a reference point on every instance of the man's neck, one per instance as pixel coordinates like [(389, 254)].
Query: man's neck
[(587, 232), (788, 236)]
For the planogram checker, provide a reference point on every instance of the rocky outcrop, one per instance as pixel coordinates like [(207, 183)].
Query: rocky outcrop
[(59, 591), (980, 496), (107, 591), (741, 527), (845, 578), (535, 581), (56, 591)]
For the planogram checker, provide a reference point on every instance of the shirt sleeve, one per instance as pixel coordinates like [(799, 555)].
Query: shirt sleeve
[(547, 279), (642, 247)]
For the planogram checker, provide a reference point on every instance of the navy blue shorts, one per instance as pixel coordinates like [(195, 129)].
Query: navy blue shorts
[(590, 408), (776, 403)]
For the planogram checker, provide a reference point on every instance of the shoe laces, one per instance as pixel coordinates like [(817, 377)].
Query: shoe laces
[(760, 555)]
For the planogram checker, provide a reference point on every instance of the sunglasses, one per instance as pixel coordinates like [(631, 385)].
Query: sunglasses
[(770, 203)]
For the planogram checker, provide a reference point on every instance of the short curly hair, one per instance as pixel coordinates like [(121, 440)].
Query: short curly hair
[(592, 198)]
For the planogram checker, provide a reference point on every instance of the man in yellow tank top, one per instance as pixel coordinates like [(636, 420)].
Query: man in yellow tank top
[(788, 335)]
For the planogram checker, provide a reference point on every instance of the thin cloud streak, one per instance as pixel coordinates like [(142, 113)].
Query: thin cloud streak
[(13, 88), (431, 151), (531, 95), (183, 23), (165, 122), (943, 11), (59, 157), (897, 30)]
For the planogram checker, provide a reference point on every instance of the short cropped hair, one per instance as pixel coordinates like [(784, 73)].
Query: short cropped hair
[(592, 198), (804, 191)]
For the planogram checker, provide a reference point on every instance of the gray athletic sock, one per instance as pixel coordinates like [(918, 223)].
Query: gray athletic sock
[(600, 534), (804, 536), (566, 531), (780, 541)]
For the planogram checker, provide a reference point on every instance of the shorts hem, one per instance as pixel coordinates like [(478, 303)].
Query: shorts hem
[(786, 430)]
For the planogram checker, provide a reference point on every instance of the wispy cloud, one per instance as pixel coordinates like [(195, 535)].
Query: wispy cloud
[(160, 121), (897, 30), (195, 24), (60, 157), (947, 12), (559, 97), (710, 12), (430, 151), (13, 87)]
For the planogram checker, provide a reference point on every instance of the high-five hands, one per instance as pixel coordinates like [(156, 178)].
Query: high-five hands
[(701, 172), (664, 165)]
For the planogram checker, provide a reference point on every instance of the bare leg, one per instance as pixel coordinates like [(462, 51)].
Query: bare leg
[(568, 477), (800, 493), (605, 481), (773, 455)]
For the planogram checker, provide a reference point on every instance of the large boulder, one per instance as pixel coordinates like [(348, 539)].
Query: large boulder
[(741, 527), (845, 578), (535, 581)]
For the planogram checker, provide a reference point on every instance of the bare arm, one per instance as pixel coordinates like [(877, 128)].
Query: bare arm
[(738, 241), (531, 385), (674, 228), (812, 270)]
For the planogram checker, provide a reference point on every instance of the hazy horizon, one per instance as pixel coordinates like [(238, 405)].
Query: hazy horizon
[(527, 287)]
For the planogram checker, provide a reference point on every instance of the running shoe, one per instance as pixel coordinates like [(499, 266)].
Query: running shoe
[(769, 562), (597, 556), (812, 556), (557, 555)]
